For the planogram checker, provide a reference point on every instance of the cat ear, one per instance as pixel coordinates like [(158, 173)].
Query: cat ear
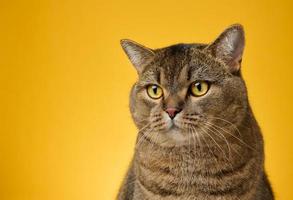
[(138, 54), (229, 47)]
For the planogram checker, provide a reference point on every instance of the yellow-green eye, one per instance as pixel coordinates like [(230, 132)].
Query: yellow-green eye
[(154, 91), (199, 88)]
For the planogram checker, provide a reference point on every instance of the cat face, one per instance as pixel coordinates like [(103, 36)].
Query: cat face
[(187, 90)]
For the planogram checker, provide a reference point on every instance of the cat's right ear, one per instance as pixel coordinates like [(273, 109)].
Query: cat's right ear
[(138, 54)]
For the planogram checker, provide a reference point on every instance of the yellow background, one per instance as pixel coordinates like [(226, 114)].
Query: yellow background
[(65, 128)]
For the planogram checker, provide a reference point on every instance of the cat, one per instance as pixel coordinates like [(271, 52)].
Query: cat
[(198, 137)]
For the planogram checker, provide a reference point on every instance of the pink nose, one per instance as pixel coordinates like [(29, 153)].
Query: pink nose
[(172, 112)]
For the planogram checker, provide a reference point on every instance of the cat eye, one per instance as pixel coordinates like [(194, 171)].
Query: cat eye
[(199, 88), (154, 91)]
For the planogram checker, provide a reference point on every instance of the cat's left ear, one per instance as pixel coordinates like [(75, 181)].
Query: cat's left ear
[(138, 54), (229, 47)]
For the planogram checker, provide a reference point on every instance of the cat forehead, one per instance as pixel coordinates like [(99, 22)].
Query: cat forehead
[(181, 64)]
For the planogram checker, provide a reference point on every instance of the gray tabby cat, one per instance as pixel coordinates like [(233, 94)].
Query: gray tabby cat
[(198, 138)]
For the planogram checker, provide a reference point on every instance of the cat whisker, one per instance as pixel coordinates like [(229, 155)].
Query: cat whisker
[(154, 138), (147, 126), (229, 146), (144, 127), (222, 135), (156, 126), (189, 150), (211, 151), (209, 148), (193, 136), (229, 149), (204, 130), (240, 140), (230, 123), (142, 138)]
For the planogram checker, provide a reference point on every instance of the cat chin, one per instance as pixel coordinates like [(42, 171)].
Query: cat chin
[(173, 136), (177, 135)]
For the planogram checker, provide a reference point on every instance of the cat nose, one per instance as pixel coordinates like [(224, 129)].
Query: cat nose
[(172, 112)]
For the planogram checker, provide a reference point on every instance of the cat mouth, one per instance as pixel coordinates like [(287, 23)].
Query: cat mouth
[(173, 126)]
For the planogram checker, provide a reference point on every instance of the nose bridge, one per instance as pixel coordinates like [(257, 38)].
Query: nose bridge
[(173, 101)]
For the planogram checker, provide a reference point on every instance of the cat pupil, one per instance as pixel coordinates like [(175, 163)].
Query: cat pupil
[(155, 89), (198, 86)]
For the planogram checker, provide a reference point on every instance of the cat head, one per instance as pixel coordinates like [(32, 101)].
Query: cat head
[(188, 89)]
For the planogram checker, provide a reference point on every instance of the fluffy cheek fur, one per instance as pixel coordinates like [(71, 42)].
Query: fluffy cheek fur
[(234, 102)]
